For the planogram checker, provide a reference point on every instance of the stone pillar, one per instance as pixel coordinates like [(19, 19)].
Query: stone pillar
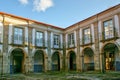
[(81, 60), (5, 64), (102, 62), (97, 35), (64, 53), (67, 64), (78, 49), (30, 62), (82, 63), (49, 51), (61, 63), (45, 64)]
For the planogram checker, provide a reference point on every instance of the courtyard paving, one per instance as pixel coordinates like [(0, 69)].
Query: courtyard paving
[(64, 76)]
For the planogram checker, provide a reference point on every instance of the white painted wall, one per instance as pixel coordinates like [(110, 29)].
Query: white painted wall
[(1, 32), (10, 33), (100, 34), (61, 39), (26, 35), (116, 18), (100, 30), (75, 38), (66, 37), (80, 36), (92, 32), (51, 39), (26, 50), (33, 37), (46, 38)]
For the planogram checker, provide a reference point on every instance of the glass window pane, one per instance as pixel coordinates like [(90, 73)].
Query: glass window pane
[(18, 35), (87, 34), (108, 29), (39, 38), (56, 41)]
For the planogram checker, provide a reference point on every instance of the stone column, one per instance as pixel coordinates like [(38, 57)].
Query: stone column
[(67, 64), (81, 60), (82, 63), (78, 49), (5, 65), (97, 34), (49, 50), (102, 62), (45, 64), (30, 63), (64, 53)]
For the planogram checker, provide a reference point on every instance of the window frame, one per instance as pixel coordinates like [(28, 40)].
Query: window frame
[(36, 44), (83, 38), (71, 40), (13, 38), (103, 29), (59, 42)]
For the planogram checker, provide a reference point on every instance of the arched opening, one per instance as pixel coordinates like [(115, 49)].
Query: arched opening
[(56, 62), (72, 60), (110, 57), (17, 61), (88, 59), (39, 61)]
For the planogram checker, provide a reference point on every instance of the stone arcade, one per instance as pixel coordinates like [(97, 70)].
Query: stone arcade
[(89, 45)]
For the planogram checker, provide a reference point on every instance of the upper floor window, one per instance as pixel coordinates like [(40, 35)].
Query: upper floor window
[(18, 36), (87, 36), (39, 38), (71, 39), (56, 41), (108, 29)]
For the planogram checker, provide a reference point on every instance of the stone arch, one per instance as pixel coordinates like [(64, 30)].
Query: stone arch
[(102, 48), (45, 54), (71, 60), (10, 51), (110, 56), (82, 51), (88, 59), (17, 60), (39, 59)]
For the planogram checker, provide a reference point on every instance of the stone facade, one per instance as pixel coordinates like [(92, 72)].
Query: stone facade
[(84, 46)]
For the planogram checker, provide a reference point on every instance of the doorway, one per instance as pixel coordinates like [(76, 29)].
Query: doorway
[(17, 61), (56, 62), (72, 61)]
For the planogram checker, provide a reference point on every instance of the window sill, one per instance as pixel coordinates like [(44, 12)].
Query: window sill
[(71, 48), (109, 39), (57, 48), (21, 45), (41, 47), (86, 44)]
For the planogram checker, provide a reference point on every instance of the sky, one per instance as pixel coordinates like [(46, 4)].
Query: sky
[(61, 13)]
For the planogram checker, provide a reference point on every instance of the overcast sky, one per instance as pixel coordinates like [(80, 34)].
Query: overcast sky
[(62, 13)]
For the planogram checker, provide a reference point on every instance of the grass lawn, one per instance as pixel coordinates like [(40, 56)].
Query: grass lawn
[(72, 75)]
